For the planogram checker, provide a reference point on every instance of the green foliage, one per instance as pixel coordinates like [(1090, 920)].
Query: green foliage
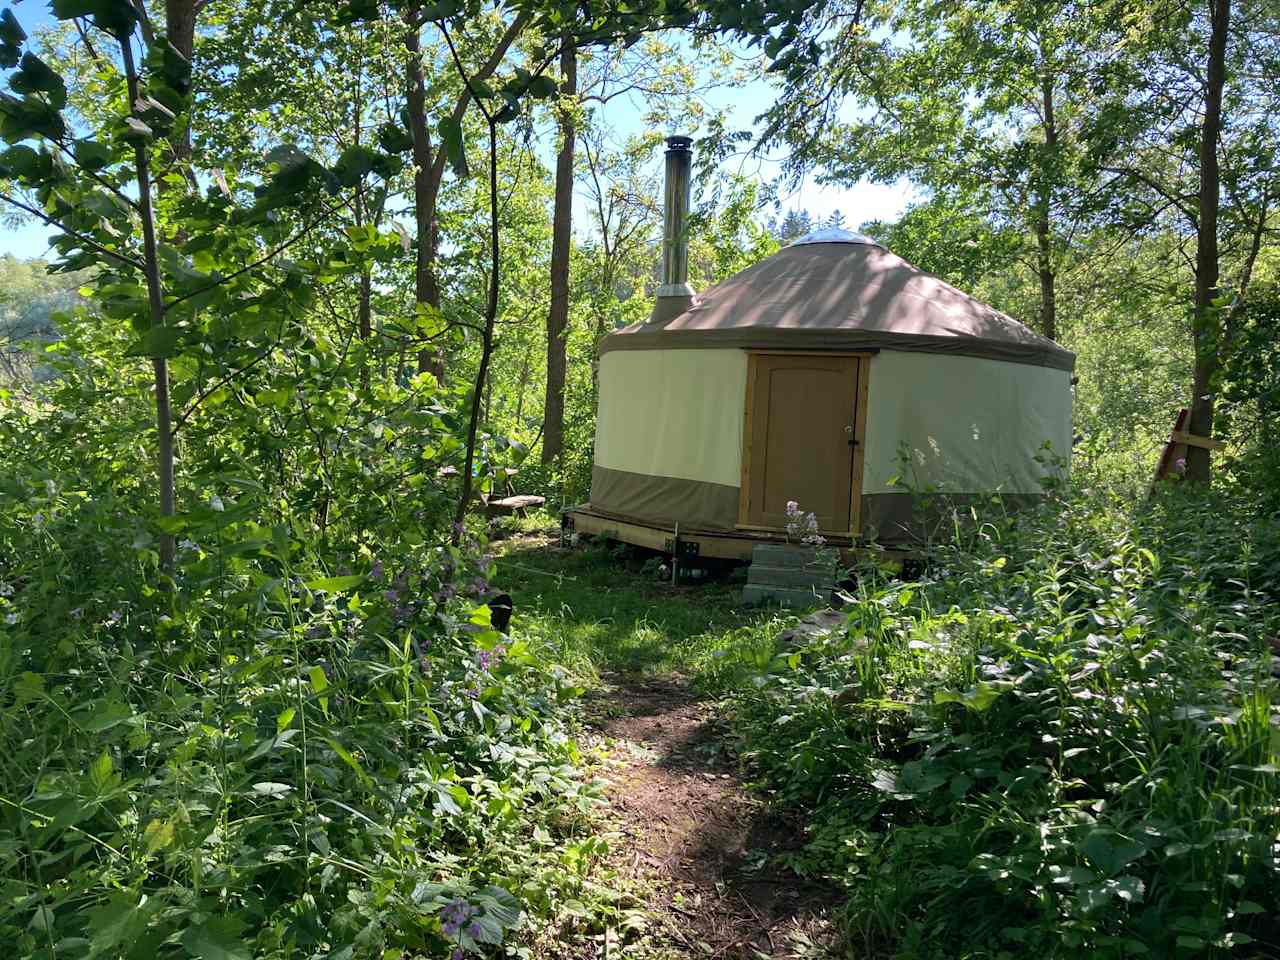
[(1059, 741), (275, 756)]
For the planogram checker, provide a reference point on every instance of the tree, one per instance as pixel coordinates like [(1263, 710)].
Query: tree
[(561, 238), (992, 101), (1194, 153)]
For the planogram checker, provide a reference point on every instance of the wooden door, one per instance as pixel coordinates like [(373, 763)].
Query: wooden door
[(802, 436)]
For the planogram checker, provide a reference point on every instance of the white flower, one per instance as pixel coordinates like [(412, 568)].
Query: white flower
[(215, 503), (6, 589), (11, 619), (51, 487)]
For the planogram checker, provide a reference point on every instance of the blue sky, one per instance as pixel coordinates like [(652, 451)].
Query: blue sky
[(858, 202)]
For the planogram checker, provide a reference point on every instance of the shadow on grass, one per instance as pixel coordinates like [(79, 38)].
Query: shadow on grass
[(602, 608)]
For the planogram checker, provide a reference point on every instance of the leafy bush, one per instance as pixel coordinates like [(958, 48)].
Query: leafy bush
[(1060, 741), (295, 748)]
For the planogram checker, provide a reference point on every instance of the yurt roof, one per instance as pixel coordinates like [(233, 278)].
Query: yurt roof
[(836, 290)]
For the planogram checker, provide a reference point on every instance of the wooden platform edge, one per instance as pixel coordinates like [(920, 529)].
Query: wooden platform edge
[(718, 546)]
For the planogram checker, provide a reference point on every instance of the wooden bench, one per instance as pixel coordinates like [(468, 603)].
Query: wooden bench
[(506, 506), (513, 502)]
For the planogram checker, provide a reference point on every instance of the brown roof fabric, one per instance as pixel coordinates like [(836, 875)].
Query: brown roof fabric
[(843, 296)]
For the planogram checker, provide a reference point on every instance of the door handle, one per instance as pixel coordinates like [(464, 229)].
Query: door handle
[(848, 431)]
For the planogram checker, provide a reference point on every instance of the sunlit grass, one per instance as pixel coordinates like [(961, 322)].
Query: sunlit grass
[(594, 609)]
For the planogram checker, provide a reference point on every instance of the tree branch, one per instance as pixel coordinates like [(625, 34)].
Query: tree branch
[(79, 237)]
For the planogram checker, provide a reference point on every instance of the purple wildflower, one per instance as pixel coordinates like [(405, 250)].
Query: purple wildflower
[(375, 572), (455, 915), (456, 955), (474, 930)]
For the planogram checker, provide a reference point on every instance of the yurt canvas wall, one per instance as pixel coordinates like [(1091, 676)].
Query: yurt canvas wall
[(673, 431)]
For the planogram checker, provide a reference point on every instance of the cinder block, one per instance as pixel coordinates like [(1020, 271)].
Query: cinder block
[(795, 598)]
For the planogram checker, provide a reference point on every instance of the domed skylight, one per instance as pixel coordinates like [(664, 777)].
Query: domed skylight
[(834, 235)]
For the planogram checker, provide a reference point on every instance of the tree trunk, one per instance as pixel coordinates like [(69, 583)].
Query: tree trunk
[(1044, 234), (486, 343), (1206, 324), (561, 235), (429, 164), (1048, 278), (155, 304), (425, 190)]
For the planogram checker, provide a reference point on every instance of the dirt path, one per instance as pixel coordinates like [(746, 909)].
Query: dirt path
[(693, 835)]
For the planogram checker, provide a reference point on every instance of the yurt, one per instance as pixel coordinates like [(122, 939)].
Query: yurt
[(833, 374)]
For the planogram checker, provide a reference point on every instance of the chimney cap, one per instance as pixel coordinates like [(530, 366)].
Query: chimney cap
[(679, 142)]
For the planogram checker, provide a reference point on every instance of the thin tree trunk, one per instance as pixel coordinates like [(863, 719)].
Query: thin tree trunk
[(486, 348), (1206, 324), (430, 164), (425, 188), (180, 29), (561, 235), (524, 383), (155, 304), (1044, 234)]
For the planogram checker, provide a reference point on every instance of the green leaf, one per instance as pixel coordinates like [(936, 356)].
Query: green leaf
[(499, 905), (120, 920), (348, 759), (24, 163), (393, 138), (107, 714), (218, 938), (35, 76), (12, 36), (455, 150), (320, 683), (117, 17), (542, 87), (29, 117), (1108, 851), (156, 342), (92, 155), (353, 164), (335, 585), (100, 771), (978, 698), (158, 835)]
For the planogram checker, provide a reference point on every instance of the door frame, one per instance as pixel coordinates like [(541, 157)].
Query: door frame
[(859, 433)]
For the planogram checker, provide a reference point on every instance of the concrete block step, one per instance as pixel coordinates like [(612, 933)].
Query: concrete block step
[(759, 573), (796, 598)]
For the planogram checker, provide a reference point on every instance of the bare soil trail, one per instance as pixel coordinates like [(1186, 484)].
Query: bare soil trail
[(694, 836)]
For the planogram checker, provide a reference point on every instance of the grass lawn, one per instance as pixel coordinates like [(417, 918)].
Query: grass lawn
[(596, 608)]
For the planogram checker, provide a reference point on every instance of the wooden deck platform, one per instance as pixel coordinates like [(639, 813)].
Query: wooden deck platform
[(715, 544)]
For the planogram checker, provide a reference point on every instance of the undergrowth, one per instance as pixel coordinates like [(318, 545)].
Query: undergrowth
[(283, 753), (1061, 741)]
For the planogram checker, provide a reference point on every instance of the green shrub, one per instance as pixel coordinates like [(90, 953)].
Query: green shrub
[(1059, 741), (272, 757)]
